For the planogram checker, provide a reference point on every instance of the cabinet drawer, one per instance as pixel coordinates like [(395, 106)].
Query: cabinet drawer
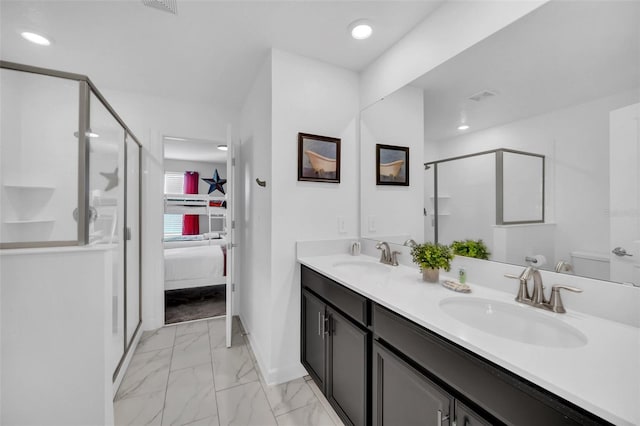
[(347, 301), (502, 394)]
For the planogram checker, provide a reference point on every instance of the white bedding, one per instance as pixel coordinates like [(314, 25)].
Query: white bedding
[(179, 244), (196, 266)]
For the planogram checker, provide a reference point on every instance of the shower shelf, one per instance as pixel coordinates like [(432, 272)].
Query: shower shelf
[(30, 187), (28, 221)]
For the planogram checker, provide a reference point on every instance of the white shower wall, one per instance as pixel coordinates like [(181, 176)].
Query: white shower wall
[(38, 149)]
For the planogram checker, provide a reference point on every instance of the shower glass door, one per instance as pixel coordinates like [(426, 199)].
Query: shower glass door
[(132, 239), (106, 208)]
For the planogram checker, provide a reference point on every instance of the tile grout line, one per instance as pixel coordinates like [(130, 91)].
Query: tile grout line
[(166, 389), (213, 376)]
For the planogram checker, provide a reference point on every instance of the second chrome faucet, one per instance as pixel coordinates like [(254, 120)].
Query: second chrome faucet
[(537, 298), (387, 256)]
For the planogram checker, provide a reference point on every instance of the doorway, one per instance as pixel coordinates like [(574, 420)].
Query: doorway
[(196, 233)]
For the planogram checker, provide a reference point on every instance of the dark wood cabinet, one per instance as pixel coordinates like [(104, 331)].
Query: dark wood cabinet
[(346, 384), (465, 416), (404, 396), (335, 345), (313, 337)]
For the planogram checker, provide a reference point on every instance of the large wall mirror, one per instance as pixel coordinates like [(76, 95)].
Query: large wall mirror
[(561, 85)]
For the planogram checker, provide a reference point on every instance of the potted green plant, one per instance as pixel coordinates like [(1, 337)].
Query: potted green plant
[(471, 248), (431, 258)]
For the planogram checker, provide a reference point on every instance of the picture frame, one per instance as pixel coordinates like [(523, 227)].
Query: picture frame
[(318, 158), (392, 165)]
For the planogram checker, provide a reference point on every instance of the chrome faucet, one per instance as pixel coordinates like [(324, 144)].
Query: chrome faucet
[(410, 243), (387, 256), (537, 299)]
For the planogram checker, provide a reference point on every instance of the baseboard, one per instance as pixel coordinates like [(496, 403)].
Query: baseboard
[(257, 351), (273, 376), (127, 360), (277, 376)]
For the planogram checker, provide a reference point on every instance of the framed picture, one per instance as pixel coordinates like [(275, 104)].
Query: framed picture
[(318, 158), (392, 165)]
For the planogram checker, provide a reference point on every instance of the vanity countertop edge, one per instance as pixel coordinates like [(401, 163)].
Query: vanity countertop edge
[(602, 377)]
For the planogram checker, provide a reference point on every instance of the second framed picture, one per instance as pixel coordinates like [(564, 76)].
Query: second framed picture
[(392, 165)]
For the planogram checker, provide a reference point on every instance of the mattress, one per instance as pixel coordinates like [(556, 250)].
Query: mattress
[(194, 266)]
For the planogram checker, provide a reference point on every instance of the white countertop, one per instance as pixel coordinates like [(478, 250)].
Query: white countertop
[(602, 377)]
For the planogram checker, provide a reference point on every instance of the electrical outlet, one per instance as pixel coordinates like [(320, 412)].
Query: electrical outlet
[(341, 227)]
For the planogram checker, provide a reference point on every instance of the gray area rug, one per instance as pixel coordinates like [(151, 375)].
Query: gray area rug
[(194, 303)]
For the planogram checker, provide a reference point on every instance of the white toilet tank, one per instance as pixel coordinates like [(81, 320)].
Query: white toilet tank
[(590, 264)]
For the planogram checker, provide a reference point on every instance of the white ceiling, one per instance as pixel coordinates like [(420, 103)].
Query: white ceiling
[(561, 54), (194, 150), (208, 52)]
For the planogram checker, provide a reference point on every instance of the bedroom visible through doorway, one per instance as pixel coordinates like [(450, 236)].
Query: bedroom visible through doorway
[(195, 229)]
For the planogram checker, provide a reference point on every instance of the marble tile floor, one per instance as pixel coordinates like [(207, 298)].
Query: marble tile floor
[(184, 375)]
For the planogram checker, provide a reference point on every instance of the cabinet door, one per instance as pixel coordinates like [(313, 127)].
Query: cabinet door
[(403, 396), (347, 368), (312, 341), (465, 416)]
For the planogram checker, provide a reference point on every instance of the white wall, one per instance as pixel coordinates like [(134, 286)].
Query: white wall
[(311, 97), (450, 29), (205, 170), (575, 141), (150, 118), (38, 148), (397, 120), (291, 94), (56, 336), (254, 215)]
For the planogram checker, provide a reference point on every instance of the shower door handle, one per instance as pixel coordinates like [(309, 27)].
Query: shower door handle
[(127, 233), (619, 251)]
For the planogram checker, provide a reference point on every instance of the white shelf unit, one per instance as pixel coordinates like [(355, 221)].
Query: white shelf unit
[(30, 187), (197, 204), (24, 220), (28, 221)]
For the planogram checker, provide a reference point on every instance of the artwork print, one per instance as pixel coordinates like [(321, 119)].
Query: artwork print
[(392, 165), (318, 158)]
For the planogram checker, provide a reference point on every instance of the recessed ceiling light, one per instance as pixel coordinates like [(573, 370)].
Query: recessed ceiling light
[(361, 30), (222, 147), (35, 38), (463, 127), (171, 138)]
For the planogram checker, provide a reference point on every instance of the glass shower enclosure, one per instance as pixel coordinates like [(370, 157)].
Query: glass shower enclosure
[(70, 176)]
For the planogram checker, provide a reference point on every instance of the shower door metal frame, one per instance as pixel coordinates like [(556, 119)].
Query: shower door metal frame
[(85, 89), (499, 170)]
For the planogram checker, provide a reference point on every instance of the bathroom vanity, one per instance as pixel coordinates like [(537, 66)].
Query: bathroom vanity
[(388, 349)]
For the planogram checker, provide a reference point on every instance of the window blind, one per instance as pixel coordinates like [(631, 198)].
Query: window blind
[(173, 184)]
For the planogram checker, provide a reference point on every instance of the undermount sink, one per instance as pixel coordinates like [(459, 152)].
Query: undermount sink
[(362, 266), (514, 322)]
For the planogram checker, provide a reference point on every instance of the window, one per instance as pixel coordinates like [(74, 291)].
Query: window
[(173, 184)]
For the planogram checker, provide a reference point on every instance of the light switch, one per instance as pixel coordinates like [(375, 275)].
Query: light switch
[(341, 226), (372, 224)]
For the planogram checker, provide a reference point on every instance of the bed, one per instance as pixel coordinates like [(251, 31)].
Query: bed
[(189, 264)]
